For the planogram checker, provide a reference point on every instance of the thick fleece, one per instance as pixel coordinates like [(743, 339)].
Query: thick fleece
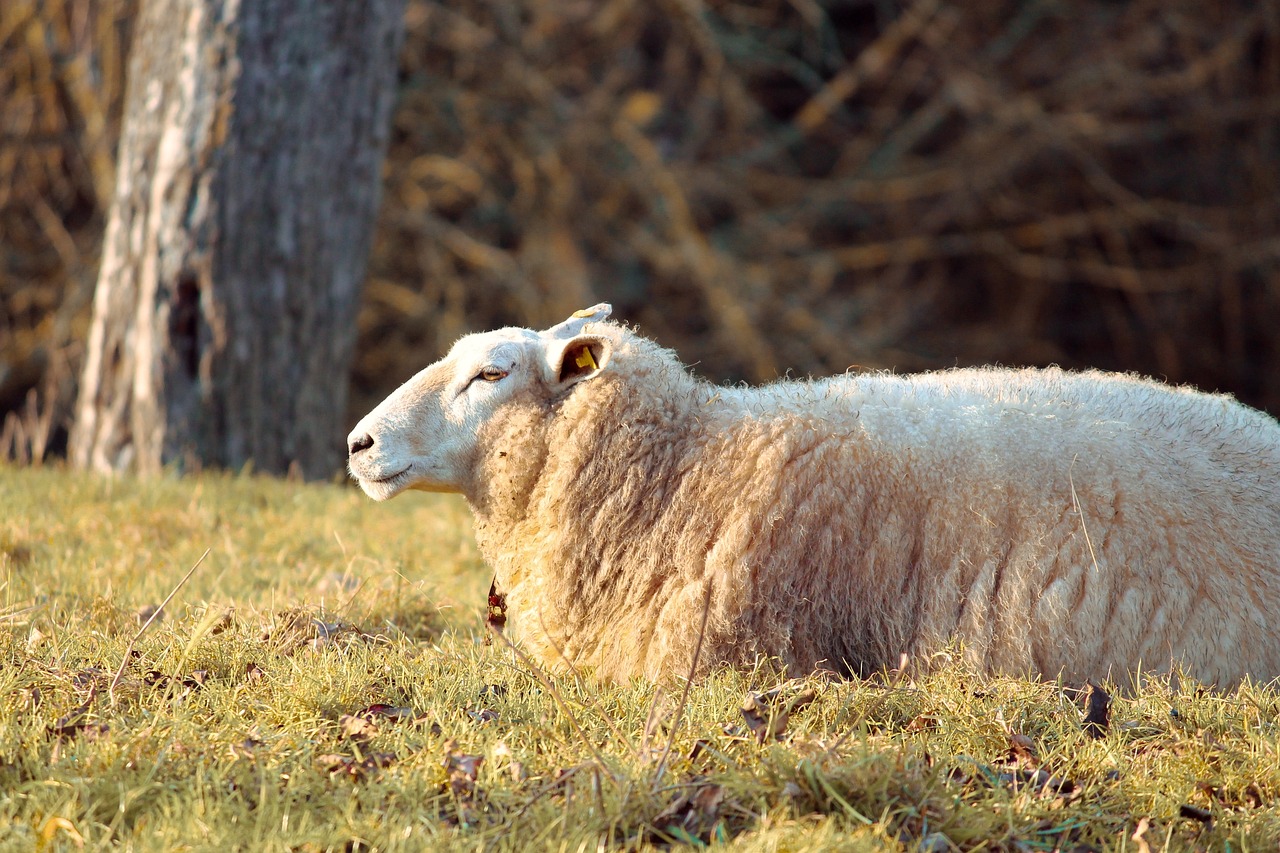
[(1061, 524)]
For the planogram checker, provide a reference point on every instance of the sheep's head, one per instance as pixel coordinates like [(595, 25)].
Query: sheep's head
[(424, 435)]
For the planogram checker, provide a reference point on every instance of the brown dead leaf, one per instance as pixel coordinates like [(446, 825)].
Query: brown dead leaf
[(364, 723), (692, 815), (700, 746), (1252, 797), (767, 714), (763, 723), (196, 679), (246, 748), (1196, 813), (90, 676), (157, 679), (295, 629), (1039, 782), (328, 633), (225, 621), (1098, 714), (357, 769), (389, 712), (922, 723), (92, 731), (70, 723), (1022, 751), (462, 770), (482, 715), (357, 727), (708, 799), (379, 712), (254, 673)]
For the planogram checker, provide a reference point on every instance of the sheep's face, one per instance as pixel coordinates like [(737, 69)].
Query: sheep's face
[(424, 436)]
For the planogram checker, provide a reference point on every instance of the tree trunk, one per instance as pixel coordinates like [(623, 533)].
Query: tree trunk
[(248, 182)]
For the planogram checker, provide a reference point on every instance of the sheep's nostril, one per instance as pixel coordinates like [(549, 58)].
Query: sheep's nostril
[(360, 442)]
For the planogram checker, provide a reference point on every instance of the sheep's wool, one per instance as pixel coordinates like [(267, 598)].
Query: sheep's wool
[(1079, 525)]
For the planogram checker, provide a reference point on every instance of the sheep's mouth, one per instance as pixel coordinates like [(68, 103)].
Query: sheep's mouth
[(382, 488), (388, 481)]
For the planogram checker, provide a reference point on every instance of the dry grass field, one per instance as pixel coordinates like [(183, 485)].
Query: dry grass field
[(322, 683)]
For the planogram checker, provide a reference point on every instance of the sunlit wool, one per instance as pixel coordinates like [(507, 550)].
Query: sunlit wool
[(1062, 524)]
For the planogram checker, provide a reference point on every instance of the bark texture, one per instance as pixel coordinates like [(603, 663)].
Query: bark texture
[(249, 177)]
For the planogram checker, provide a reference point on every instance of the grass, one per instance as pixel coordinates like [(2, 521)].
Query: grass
[(322, 683)]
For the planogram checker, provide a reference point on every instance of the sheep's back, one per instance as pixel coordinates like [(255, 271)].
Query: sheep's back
[(1056, 522)]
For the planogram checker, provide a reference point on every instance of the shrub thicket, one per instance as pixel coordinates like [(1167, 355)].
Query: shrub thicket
[(765, 186)]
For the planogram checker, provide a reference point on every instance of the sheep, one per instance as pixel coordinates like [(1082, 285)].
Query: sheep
[(1072, 525)]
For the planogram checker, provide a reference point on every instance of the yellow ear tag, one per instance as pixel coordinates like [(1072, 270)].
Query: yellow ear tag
[(584, 312), (585, 359)]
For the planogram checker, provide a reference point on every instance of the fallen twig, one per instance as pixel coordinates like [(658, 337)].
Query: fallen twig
[(124, 659)]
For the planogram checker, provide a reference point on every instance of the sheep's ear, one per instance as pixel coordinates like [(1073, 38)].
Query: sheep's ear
[(579, 358), (573, 325)]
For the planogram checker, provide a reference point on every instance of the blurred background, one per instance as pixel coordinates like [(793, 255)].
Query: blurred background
[(773, 187)]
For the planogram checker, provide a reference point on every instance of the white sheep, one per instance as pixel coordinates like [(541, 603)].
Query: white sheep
[(1074, 525)]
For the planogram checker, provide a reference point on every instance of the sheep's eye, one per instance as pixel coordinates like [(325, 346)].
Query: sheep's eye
[(492, 374)]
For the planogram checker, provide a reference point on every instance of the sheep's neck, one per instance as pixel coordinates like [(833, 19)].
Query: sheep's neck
[(568, 497)]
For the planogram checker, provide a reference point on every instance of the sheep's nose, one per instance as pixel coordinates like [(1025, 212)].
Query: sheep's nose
[(359, 442)]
